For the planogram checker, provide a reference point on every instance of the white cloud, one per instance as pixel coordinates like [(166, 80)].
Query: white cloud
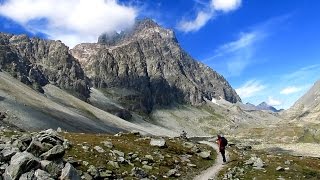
[(72, 21), (250, 88), (194, 25), (290, 90), (208, 13), (225, 5), (245, 40), (273, 102)]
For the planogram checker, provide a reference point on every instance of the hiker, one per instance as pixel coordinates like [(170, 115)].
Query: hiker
[(222, 142), (183, 135)]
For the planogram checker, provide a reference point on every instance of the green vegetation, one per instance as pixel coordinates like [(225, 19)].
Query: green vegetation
[(296, 167), (164, 158)]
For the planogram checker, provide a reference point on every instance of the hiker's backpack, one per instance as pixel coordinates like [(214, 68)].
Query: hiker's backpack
[(224, 141)]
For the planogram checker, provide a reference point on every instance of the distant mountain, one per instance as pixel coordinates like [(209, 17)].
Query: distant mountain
[(265, 106), (261, 106), (307, 107)]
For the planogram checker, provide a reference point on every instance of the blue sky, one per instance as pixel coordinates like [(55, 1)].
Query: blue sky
[(268, 49)]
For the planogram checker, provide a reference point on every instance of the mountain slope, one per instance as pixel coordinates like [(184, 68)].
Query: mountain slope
[(307, 107), (31, 110), (151, 65), (37, 62)]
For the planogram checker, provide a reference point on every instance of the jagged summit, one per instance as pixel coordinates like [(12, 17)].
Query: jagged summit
[(144, 28), (145, 23)]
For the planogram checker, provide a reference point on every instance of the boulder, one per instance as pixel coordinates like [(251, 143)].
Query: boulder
[(205, 154), (54, 153), (7, 153), (147, 167), (113, 164), (107, 144), (93, 171), (52, 168), (118, 153), (279, 168), (149, 158), (258, 164), (138, 172), (69, 173), (19, 144), (99, 149), (50, 136), (36, 148), (86, 176), (28, 176), (20, 163), (42, 175), (158, 142), (172, 172)]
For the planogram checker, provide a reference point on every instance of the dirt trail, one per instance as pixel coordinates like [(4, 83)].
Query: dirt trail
[(211, 172)]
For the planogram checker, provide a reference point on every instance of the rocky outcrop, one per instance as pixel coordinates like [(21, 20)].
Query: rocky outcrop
[(29, 165), (37, 62), (149, 62)]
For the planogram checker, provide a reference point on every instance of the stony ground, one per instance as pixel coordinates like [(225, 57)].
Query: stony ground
[(246, 163), (61, 155)]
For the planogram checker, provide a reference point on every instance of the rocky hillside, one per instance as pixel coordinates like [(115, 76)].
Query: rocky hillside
[(49, 155), (37, 62), (149, 62), (307, 107)]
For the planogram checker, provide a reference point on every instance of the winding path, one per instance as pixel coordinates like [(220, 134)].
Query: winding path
[(211, 172)]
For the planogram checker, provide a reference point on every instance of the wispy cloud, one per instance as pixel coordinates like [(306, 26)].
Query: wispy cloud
[(250, 88), (240, 53), (302, 73), (291, 90), (273, 102), (72, 21), (207, 13), (194, 25)]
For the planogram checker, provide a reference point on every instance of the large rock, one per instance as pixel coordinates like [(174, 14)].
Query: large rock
[(36, 148), (50, 136), (51, 167), (42, 175), (19, 164), (28, 176), (54, 153), (7, 153), (149, 63), (138, 172), (69, 173), (205, 154), (158, 142)]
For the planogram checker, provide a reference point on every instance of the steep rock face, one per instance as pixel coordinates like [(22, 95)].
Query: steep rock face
[(307, 107), (149, 60), (38, 62)]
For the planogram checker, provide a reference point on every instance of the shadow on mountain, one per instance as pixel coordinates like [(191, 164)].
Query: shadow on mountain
[(140, 94)]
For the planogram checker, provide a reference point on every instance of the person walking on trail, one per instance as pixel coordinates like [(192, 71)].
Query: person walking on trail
[(222, 143)]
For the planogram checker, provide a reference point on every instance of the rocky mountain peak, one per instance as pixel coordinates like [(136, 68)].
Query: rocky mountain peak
[(143, 29), (149, 62)]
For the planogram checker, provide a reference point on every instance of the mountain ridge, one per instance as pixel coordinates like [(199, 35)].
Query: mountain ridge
[(160, 69)]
